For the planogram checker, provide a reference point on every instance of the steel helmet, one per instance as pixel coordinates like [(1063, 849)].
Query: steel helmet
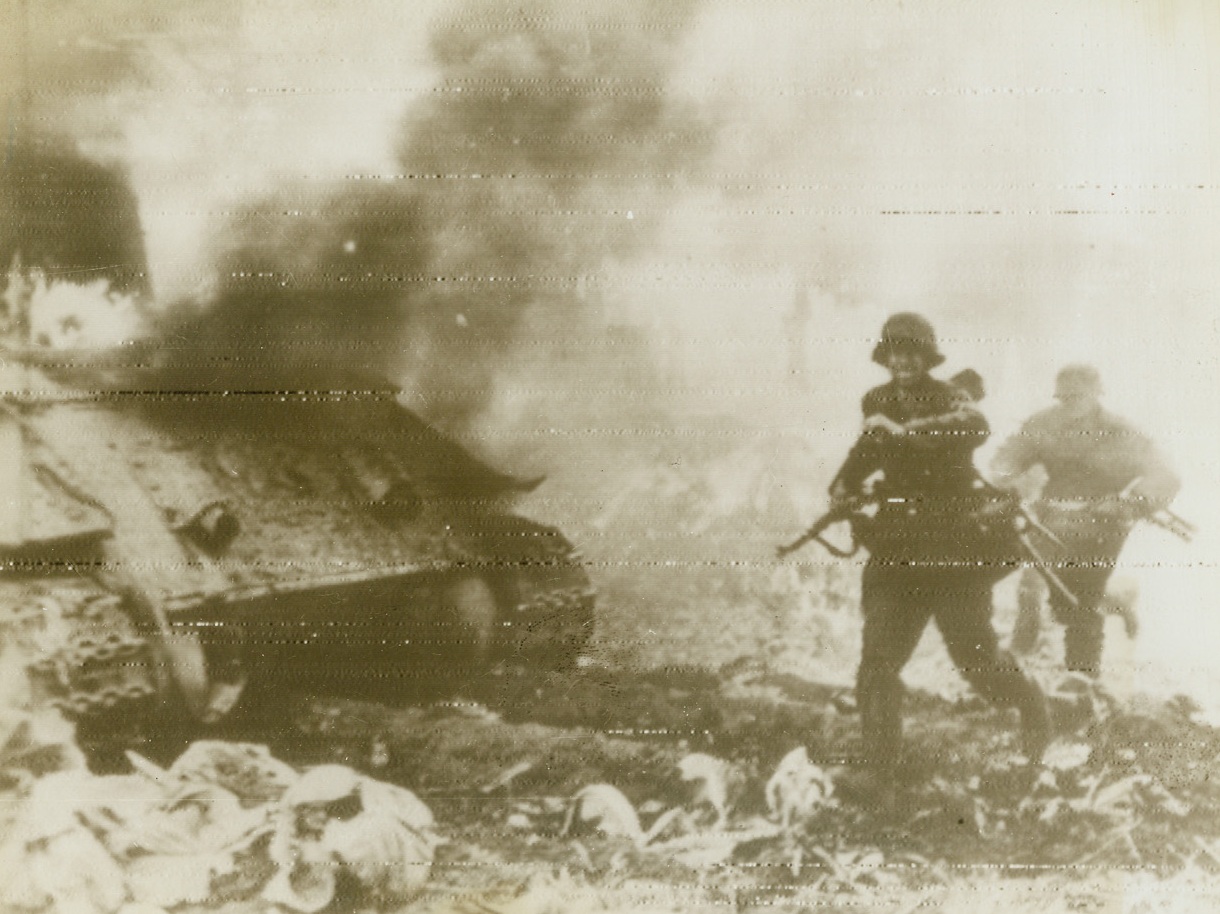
[(908, 330), (1078, 380)]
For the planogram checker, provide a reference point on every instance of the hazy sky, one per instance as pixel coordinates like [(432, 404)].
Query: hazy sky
[(1037, 175)]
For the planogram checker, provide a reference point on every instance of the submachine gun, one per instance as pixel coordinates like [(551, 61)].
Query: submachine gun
[(1158, 517), (1005, 524), (850, 510), (1174, 523)]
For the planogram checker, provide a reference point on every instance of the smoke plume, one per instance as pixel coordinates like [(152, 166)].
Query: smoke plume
[(516, 183)]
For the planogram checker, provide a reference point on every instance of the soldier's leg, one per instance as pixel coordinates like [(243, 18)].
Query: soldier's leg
[(1083, 624), (893, 622), (1031, 593), (1092, 563), (964, 620)]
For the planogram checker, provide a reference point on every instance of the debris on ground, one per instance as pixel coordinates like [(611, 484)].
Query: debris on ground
[(225, 822)]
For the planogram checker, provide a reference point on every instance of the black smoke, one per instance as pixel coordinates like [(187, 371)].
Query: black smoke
[(544, 152), (72, 218), (309, 282)]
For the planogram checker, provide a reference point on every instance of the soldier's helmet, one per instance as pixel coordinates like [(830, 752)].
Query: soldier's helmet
[(908, 330), (1077, 380)]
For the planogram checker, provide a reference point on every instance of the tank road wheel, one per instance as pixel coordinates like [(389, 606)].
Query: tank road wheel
[(547, 599), (552, 626), (470, 604), (543, 593), (210, 678)]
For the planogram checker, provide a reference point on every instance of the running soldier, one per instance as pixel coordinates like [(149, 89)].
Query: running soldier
[(919, 435), (1101, 476)]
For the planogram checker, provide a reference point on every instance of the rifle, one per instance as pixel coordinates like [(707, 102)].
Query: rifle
[(1158, 517), (1174, 523), (846, 510), (1043, 569)]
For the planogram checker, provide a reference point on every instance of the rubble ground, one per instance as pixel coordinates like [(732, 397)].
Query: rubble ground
[(689, 788), (1122, 790)]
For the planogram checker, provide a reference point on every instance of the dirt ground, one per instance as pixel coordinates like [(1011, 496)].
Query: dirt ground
[(1123, 816)]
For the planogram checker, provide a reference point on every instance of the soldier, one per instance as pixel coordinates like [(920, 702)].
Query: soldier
[(1120, 599), (920, 435), (1102, 475)]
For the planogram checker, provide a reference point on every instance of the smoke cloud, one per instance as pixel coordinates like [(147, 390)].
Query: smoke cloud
[(547, 135), (513, 187), (520, 176)]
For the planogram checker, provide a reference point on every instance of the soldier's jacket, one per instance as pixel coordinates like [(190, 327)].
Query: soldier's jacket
[(1086, 458), (927, 487), (935, 456)]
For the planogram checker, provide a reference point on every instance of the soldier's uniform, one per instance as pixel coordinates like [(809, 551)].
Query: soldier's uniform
[(1091, 457), (922, 564)]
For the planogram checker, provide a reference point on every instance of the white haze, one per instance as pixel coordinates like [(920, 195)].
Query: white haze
[(1037, 178)]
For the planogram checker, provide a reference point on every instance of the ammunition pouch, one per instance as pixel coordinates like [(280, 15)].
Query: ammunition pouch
[(976, 532)]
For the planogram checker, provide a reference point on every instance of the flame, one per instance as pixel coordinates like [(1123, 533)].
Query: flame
[(52, 314)]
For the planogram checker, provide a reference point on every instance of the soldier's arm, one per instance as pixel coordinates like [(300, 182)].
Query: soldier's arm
[(862, 460), (1158, 483), (961, 422), (1016, 456)]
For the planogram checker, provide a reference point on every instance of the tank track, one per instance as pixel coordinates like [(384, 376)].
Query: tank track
[(549, 598), (86, 657)]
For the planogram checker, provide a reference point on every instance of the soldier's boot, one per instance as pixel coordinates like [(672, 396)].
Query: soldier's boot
[(879, 695), (1076, 701), (877, 789)]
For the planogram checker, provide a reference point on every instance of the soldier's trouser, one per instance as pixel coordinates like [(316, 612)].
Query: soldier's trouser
[(897, 603), (1085, 573), (1031, 593)]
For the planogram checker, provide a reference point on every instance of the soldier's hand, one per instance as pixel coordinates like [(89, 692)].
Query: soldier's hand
[(1144, 503)]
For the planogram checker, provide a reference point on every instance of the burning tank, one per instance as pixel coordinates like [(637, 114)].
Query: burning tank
[(174, 533)]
